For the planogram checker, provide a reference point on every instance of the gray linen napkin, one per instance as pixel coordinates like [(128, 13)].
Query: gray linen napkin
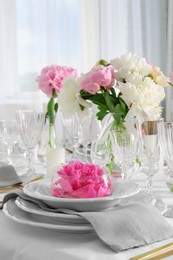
[(129, 226), (8, 176), (122, 227)]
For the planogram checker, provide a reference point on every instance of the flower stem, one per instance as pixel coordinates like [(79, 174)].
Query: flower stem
[(50, 131)]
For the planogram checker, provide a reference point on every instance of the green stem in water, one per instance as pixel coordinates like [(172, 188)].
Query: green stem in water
[(111, 164), (50, 131), (51, 111)]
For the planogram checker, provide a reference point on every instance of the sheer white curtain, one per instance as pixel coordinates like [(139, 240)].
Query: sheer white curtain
[(134, 26), (8, 52), (37, 33), (169, 96)]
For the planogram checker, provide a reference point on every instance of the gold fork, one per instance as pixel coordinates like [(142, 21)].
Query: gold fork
[(156, 254)]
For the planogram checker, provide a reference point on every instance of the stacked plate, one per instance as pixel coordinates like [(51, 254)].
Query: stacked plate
[(62, 215)]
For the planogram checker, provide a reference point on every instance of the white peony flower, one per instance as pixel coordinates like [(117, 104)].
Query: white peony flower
[(130, 65), (142, 95), (70, 100)]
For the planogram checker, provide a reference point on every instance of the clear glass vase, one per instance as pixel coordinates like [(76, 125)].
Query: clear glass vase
[(118, 145), (55, 152)]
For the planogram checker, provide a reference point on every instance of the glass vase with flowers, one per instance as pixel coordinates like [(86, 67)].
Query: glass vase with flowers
[(50, 82)]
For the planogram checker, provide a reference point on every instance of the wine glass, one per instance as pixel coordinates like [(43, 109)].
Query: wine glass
[(72, 125), (150, 153), (165, 132), (101, 149), (9, 136), (125, 147), (89, 131), (30, 125), (100, 152)]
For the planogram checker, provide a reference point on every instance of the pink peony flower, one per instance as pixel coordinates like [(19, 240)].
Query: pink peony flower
[(99, 76), (158, 76), (171, 77), (51, 77), (81, 180)]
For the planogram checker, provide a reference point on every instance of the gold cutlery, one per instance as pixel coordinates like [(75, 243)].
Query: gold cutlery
[(18, 186), (156, 254), (10, 188)]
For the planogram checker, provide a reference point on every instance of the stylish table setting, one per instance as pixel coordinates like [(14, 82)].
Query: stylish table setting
[(23, 241), (104, 190)]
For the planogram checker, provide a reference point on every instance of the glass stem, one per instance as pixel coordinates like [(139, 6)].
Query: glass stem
[(30, 165), (150, 184), (74, 145), (85, 149), (50, 135), (9, 151)]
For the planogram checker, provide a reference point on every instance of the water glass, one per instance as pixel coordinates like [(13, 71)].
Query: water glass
[(165, 131), (30, 125), (72, 126), (125, 147), (151, 151), (8, 136)]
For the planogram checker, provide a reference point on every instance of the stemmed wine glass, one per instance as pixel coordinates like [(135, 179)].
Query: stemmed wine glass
[(30, 125), (150, 153), (125, 147), (165, 132), (72, 125), (100, 152), (9, 136), (89, 131)]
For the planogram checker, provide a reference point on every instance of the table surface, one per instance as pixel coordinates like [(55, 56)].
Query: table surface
[(22, 242)]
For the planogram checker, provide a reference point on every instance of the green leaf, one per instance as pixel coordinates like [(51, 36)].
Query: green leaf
[(111, 102), (98, 99), (123, 105), (104, 63), (50, 111), (113, 92), (81, 107), (171, 84), (118, 109), (56, 107), (101, 114), (118, 114), (103, 107), (86, 95)]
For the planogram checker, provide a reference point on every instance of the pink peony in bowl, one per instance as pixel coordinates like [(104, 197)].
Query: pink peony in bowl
[(81, 180)]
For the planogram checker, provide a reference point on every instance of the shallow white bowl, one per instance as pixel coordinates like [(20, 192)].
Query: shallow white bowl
[(122, 189)]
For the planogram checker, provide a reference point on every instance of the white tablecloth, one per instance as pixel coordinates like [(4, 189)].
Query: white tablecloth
[(22, 242)]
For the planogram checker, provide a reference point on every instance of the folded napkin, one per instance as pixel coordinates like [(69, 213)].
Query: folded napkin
[(8, 176), (122, 227), (129, 226)]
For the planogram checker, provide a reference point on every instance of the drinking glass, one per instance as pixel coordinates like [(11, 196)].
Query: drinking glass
[(165, 131), (30, 125), (9, 136), (89, 131), (72, 126), (150, 152), (125, 147)]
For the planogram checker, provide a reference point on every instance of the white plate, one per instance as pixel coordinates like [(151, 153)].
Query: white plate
[(122, 189), (16, 214), (35, 209)]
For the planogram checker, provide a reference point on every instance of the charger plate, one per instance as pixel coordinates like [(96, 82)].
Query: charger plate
[(35, 209), (16, 214), (122, 189)]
